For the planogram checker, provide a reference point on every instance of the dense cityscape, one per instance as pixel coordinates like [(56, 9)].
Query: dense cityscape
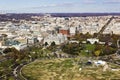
[(60, 40), (88, 41)]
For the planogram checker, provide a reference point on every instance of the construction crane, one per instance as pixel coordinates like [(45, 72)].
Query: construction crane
[(105, 26)]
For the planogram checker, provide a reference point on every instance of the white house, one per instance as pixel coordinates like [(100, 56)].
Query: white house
[(93, 40)]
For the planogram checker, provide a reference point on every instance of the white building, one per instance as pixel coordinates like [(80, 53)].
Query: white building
[(93, 40), (20, 46), (57, 38), (73, 30)]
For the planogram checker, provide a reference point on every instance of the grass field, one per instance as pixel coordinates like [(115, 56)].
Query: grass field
[(67, 69)]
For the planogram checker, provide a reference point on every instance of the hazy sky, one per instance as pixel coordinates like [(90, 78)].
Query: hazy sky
[(60, 6)]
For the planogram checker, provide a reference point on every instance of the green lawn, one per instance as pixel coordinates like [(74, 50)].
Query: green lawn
[(88, 48), (67, 69)]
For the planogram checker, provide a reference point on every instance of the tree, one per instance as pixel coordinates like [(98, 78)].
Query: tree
[(97, 53), (6, 50), (80, 37), (108, 50), (14, 53), (53, 44), (88, 35), (95, 35), (71, 48), (88, 42), (46, 43), (52, 47)]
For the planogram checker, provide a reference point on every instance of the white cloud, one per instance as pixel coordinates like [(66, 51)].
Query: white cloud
[(111, 1), (102, 1), (53, 5)]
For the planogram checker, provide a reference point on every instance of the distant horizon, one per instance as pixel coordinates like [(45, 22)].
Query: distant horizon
[(18, 15), (66, 13)]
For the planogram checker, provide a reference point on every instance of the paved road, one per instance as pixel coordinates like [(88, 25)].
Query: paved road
[(17, 73)]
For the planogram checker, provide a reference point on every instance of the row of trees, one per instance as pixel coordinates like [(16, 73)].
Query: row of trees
[(73, 49), (12, 57), (103, 37), (89, 49)]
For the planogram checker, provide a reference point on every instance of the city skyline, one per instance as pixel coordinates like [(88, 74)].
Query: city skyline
[(55, 6)]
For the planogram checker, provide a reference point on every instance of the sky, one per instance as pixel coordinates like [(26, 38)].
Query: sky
[(59, 6)]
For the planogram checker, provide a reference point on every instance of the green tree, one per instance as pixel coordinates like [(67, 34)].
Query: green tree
[(7, 50), (46, 44), (88, 35), (108, 50), (71, 48), (53, 44), (52, 47), (15, 54), (97, 53)]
